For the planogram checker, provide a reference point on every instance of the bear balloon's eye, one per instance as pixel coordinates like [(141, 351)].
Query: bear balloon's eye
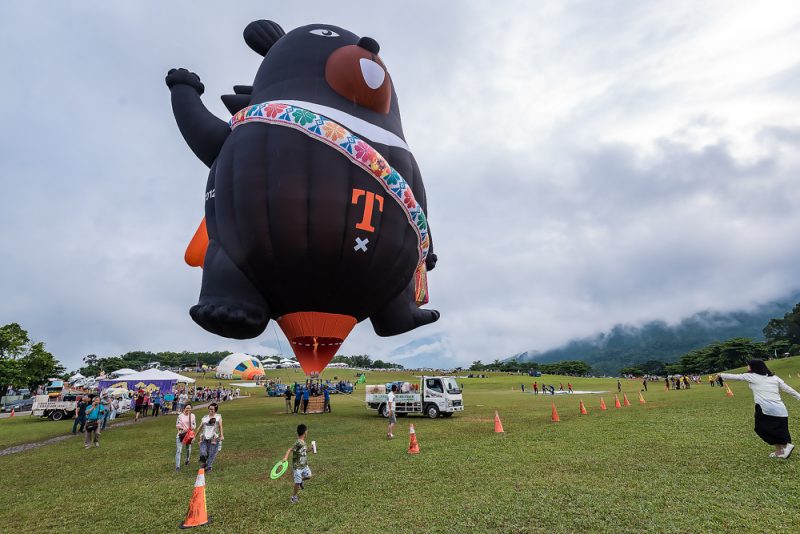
[(324, 33)]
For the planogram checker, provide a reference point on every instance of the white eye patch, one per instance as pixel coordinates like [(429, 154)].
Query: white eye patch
[(372, 72), (324, 33)]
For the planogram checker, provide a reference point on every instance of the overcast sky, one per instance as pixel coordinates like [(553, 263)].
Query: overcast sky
[(586, 164)]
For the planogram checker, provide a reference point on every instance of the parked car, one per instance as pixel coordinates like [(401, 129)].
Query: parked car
[(22, 405)]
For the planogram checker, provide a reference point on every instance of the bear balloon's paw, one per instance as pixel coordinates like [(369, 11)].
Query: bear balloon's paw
[(394, 320), (426, 317), (237, 322), (184, 77)]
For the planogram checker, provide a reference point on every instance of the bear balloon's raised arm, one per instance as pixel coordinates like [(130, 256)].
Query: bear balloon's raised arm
[(204, 132)]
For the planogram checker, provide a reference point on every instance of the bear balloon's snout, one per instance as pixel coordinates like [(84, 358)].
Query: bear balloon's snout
[(359, 75)]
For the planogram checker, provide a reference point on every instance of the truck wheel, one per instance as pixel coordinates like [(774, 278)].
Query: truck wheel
[(432, 411), (57, 415), (383, 411)]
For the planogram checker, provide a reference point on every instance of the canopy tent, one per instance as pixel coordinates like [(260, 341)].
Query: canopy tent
[(122, 372), (76, 376), (179, 378), (149, 380)]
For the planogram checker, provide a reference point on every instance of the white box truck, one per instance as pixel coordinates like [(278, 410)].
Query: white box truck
[(44, 406), (432, 396)]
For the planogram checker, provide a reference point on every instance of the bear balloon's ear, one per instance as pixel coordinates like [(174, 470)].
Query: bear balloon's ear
[(260, 35)]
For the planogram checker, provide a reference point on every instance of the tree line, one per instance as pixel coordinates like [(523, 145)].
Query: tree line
[(138, 359), (362, 361), (568, 367), (23, 362)]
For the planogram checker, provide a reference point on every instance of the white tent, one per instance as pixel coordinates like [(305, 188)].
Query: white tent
[(179, 378), (122, 372), (75, 378)]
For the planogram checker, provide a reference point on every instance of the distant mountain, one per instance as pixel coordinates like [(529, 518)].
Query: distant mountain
[(429, 351), (627, 345)]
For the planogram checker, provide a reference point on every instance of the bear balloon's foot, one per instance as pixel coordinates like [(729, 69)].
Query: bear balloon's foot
[(237, 322), (229, 304)]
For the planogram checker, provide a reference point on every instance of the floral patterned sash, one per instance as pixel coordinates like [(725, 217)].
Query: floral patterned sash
[(360, 153)]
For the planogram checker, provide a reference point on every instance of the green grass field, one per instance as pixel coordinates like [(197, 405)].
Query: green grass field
[(685, 461)]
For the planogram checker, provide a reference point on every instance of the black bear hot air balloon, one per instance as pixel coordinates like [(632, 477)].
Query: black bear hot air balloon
[(314, 207)]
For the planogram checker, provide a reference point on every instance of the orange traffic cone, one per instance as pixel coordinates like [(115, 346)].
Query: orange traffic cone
[(413, 446), (616, 402), (554, 416), (728, 391), (641, 398), (626, 402), (197, 516), (583, 409), (12, 413), (498, 426), (603, 404)]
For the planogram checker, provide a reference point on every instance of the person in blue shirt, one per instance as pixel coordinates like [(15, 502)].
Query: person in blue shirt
[(156, 404), (327, 406), (298, 396), (306, 397), (94, 415)]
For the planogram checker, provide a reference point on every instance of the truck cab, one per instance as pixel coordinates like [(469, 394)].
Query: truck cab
[(441, 395)]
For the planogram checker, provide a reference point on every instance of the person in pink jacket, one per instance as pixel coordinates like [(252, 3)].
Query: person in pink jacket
[(185, 423)]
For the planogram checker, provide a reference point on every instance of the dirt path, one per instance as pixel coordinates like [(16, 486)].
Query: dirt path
[(36, 444)]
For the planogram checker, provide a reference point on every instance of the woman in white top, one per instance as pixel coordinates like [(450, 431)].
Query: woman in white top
[(211, 436), (772, 418), (185, 422)]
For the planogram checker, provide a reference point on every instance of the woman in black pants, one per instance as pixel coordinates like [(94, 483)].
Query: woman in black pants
[(772, 418)]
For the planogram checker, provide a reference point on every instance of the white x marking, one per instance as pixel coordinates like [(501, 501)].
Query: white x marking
[(361, 244)]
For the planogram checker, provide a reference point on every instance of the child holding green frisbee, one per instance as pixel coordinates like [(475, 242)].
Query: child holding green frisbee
[(300, 467)]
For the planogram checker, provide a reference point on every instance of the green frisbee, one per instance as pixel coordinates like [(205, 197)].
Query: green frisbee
[(279, 469)]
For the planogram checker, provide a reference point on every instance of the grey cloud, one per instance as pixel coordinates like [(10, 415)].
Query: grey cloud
[(547, 226)]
